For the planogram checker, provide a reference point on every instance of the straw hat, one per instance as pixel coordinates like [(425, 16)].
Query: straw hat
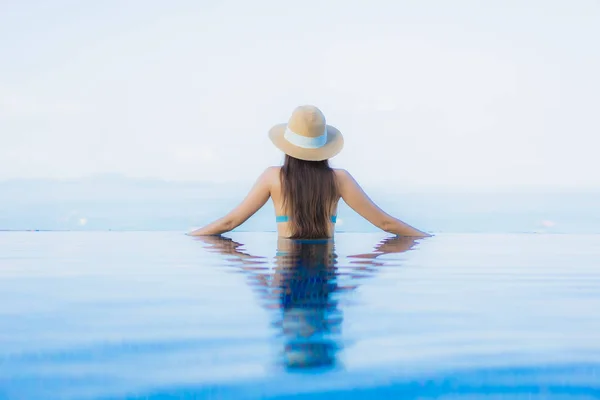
[(306, 136)]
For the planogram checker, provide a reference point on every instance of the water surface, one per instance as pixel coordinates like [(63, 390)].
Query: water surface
[(93, 315)]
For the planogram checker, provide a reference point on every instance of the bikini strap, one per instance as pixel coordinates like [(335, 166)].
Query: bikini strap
[(285, 218)]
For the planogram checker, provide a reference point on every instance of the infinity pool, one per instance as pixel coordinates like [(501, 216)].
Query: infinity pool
[(152, 315)]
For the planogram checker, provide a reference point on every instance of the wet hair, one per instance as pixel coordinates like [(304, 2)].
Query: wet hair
[(309, 196)]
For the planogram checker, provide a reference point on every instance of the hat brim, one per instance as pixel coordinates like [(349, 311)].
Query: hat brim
[(335, 143)]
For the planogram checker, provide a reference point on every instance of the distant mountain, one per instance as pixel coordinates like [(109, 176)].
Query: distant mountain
[(107, 202), (120, 203), (107, 187)]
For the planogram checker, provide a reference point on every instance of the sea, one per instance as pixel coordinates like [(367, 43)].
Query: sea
[(104, 297)]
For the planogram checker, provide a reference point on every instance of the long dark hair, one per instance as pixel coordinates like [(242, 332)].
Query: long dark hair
[(309, 196)]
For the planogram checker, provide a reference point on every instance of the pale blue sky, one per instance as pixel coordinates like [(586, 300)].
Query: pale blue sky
[(426, 92)]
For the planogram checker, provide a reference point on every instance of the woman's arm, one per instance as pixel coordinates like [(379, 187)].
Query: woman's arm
[(256, 198), (357, 199)]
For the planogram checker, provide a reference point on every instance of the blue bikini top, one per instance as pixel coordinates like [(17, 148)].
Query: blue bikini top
[(285, 218)]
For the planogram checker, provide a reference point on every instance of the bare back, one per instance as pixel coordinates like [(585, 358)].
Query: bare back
[(268, 186), (284, 229)]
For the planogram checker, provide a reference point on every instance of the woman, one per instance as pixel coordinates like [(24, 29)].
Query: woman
[(306, 191)]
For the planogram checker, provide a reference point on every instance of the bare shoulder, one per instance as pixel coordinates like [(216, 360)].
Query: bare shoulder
[(272, 171), (341, 173), (342, 176), (271, 175)]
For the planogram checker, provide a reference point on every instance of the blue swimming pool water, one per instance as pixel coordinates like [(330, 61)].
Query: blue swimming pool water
[(153, 315)]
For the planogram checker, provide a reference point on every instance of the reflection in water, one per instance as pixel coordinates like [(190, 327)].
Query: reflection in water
[(304, 281), (303, 288)]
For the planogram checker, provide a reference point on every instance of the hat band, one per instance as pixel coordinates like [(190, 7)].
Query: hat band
[(305, 142)]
